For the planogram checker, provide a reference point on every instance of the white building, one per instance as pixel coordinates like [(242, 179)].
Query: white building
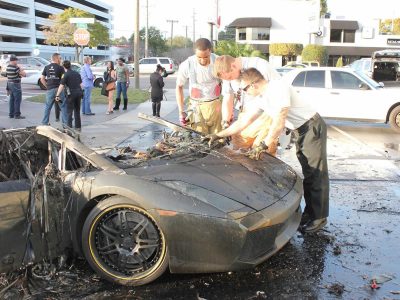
[(351, 39), (21, 22)]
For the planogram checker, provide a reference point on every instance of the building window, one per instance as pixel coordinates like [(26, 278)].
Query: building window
[(349, 36), (342, 36), (336, 35), (242, 34), (260, 34)]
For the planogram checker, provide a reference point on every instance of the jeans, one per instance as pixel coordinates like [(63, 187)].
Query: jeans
[(15, 99), (87, 95), (50, 96), (121, 87)]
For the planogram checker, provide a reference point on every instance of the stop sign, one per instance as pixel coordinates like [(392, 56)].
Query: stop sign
[(81, 37)]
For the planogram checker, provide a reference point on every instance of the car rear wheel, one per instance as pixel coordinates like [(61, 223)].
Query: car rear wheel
[(98, 82), (123, 243), (394, 118)]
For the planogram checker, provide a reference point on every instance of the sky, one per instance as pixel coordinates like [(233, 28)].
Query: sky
[(182, 10)]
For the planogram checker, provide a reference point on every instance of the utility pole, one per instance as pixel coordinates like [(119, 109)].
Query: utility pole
[(194, 26), (216, 22), (146, 41), (186, 30), (136, 47), (172, 29)]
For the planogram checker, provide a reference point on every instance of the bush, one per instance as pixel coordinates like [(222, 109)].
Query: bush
[(285, 49), (235, 50), (315, 52)]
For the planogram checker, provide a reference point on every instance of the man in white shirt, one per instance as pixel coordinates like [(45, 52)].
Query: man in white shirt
[(277, 99), (204, 90)]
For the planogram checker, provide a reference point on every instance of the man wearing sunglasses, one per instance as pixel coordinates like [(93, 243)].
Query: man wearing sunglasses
[(277, 99)]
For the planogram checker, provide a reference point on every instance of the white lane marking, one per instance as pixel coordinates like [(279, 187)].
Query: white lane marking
[(357, 141)]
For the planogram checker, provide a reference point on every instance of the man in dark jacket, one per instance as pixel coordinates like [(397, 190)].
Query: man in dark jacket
[(72, 82), (157, 84)]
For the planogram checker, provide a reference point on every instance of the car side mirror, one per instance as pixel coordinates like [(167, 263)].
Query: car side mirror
[(363, 86)]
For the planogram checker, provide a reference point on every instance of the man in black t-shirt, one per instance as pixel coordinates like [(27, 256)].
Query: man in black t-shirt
[(51, 78), (72, 82)]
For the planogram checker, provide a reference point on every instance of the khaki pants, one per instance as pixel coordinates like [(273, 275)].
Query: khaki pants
[(206, 116), (254, 134)]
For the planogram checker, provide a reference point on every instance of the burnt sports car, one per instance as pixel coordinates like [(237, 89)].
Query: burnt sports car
[(182, 206)]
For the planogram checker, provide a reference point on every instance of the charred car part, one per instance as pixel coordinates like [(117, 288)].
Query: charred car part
[(134, 217)]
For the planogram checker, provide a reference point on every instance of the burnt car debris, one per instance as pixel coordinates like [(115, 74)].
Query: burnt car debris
[(133, 214)]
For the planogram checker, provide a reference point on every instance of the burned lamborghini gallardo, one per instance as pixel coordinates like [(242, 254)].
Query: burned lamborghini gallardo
[(181, 206)]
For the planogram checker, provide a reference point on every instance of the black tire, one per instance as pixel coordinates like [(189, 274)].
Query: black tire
[(98, 82), (123, 243), (394, 119)]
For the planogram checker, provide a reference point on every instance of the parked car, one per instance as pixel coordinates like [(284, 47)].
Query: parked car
[(295, 65), (132, 219), (33, 76), (4, 60), (283, 70), (149, 64), (343, 93), (362, 65)]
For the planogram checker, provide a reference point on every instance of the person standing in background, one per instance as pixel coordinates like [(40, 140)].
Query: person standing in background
[(72, 82), (157, 84), (51, 77), (110, 77), (122, 84), (87, 83), (14, 74)]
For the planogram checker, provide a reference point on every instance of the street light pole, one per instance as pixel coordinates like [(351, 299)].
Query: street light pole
[(172, 29), (146, 41), (136, 47)]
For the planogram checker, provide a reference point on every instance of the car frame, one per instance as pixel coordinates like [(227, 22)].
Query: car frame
[(343, 93), (131, 223)]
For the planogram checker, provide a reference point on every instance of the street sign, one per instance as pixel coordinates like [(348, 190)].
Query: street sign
[(81, 37), (79, 25), (81, 20)]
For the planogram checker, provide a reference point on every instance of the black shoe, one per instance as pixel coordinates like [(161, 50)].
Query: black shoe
[(90, 114), (19, 117), (315, 225), (116, 108), (158, 115), (124, 108)]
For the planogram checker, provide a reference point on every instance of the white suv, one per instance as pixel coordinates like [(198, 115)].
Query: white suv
[(149, 64)]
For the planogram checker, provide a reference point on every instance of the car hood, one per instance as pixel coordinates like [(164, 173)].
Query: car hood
[(255, 184)]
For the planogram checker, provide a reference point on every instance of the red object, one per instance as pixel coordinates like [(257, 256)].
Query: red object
[(219, 21), (170, 66), (374, 285)]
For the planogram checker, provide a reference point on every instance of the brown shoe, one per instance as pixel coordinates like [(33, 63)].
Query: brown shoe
[(315, 225)]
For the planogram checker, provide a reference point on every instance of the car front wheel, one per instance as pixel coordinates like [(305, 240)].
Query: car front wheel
[(98, 82), (394, 118), (123, 243)]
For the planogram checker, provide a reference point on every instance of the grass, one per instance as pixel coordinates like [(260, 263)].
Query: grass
[(134, 96)]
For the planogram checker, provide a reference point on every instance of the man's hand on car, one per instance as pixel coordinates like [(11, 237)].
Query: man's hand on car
[(256, 152)]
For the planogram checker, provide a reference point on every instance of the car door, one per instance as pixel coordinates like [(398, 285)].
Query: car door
[(353, 97), (14, 195), (311, 88)]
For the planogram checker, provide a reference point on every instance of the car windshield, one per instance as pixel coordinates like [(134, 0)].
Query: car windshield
[(43, 61), (370, 81)]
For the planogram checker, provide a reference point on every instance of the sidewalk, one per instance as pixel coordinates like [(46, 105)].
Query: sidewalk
[(98, 131)]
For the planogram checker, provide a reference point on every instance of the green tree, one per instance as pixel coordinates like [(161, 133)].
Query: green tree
[(285, 49), (315, 53), (61, 31), (234, 49), (229, 34), (157, 43), (181, 42), (323, 7), (339, 62), (120, 41)]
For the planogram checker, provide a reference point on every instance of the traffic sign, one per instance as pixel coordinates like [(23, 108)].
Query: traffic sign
[(81, 37)]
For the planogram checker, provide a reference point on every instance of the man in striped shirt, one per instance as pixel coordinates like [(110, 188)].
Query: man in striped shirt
[(14, 74)]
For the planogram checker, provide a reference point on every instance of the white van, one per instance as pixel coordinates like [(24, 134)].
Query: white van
[(149, 64)]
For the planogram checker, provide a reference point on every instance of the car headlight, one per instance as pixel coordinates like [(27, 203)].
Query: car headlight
[(219, 201)]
